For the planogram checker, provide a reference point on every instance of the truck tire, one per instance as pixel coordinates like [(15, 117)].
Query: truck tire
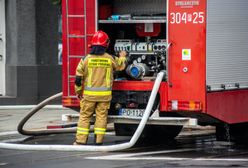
[(155, 133), (161, 133)]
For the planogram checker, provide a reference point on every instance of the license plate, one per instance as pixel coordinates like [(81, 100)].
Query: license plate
[(131, 112)]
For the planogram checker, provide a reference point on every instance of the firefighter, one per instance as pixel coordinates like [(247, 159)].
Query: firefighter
[(95, 71)]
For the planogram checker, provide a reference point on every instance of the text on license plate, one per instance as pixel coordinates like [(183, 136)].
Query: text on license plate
[(132, 112)]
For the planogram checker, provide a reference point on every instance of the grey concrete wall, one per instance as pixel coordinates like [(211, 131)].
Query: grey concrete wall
[(49, 72), (47, 32), (32, 72), (11, 32), (11, 48), (26, 35)]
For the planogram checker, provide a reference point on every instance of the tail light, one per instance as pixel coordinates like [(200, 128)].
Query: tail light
[(68, 102), (175, 105)]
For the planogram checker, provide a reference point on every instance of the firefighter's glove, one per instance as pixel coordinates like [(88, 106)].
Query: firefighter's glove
[(78, 86), (80, 96), (123, 54), (121, 60), (78, 91)]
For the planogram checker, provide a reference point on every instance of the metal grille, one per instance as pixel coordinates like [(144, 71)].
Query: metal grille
[(139, 7), (227, 44)]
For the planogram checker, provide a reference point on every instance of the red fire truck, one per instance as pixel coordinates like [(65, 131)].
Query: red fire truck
[(201, 44)]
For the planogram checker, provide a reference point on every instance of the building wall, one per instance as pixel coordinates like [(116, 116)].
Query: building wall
[(32, 70), (49, 72)]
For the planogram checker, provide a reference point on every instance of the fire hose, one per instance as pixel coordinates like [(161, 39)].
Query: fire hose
[(33, 111), (106, 148), (45, 131)]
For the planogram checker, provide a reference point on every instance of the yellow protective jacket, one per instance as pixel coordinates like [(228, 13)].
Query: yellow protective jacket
[(96, 72)]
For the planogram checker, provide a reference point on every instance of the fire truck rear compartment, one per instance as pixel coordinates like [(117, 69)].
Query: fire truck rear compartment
[(139, 30), (138, 27), (146, 55)]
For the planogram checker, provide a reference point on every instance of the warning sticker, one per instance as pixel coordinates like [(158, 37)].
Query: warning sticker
[(186, 54)]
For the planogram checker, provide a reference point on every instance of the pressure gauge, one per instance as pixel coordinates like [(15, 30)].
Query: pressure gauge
[(143, 57)]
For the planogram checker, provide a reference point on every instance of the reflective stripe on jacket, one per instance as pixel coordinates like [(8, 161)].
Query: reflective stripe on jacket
[(97, 74)]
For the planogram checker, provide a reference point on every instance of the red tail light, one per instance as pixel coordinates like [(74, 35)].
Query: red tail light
[(175, 105), (70, 102)]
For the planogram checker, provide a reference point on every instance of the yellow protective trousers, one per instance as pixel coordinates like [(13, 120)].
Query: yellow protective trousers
[(86, 112)]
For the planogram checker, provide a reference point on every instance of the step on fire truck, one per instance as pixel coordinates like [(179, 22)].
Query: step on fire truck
[(201, 44)]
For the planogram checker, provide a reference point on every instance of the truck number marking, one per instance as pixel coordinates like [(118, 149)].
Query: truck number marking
[(195, 18)]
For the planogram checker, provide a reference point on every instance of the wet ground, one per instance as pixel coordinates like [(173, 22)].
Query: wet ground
[(192, 148), (184, 151)]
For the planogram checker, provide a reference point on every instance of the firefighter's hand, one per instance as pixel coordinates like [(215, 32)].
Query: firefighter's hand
[(122, 53), (80, 96)]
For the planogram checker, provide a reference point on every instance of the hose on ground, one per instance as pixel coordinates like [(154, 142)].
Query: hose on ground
[(33, 111), (20, 127), (105, 148)]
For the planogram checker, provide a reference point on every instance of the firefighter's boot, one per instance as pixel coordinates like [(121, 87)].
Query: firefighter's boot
[(77, 143), (98, 139)]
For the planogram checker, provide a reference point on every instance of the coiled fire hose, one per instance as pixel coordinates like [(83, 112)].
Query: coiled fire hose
[(45, 131), (116, 147), (33, 111)]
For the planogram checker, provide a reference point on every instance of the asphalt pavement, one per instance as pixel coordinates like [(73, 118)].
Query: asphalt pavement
[(185, 151), (10, 117), (51, 115)]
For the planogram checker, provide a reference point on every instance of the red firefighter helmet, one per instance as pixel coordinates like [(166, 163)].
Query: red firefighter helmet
[(100, 38)]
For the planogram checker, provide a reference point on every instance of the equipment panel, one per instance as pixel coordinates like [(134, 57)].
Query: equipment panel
[(145, 59)]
